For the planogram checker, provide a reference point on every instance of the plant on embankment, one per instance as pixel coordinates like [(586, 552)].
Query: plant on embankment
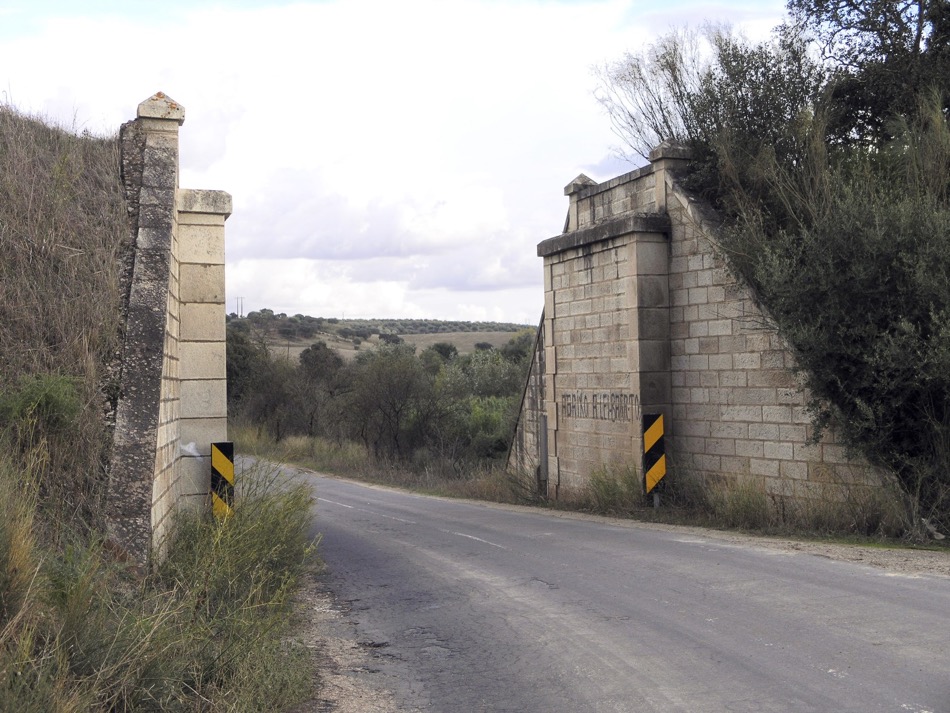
[(206, 631), (78, 630)]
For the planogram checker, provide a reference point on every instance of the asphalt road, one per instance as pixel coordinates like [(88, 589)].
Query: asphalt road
[(475, 607)]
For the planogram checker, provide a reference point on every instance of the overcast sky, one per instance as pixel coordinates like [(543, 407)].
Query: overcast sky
[(386, 158)]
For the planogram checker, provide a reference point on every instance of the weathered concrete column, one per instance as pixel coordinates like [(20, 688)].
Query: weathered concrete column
[(201, 217)]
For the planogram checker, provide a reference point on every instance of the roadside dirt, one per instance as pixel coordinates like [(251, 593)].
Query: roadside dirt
[(344, 665), (347, 678)]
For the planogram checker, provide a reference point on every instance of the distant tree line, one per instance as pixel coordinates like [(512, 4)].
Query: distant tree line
[(402, 406), (302, 327)]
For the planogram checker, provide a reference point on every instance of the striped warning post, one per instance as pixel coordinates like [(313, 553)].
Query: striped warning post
[(222, 478), (654, 455)]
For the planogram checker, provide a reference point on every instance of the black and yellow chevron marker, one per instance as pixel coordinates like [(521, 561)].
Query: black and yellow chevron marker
[(222, 478), (654, 455)]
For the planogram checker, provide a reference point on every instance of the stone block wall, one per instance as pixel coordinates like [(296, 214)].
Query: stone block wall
[(641, 315), (528, 452), (172, 402), (203, 377), (738, 410)]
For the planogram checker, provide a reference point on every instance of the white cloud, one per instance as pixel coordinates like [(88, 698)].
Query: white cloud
[(385, 158)]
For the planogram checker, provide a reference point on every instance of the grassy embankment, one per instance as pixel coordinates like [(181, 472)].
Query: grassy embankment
[(80, 631)]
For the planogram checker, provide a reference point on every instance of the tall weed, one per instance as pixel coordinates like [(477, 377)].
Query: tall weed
[(615, 489)]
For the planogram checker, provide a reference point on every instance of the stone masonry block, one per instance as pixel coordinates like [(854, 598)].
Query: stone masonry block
[(195, 476), (204, 399), (764, 431), (654, 355), (765, 467), (652, 324), (202, 322), (753, 449), (204, 201), (732, 378), (792, 469), (773, 360), (721, 446), (728, 430), (202, 283), (699, 329), (761, 397), (697, 295), (202, 432), (780, 451), (202, 244), (161, 106), (749, 414), (203, 360), (777, 414), (651, 257), (715, 293), (747, 360), (736, 465)]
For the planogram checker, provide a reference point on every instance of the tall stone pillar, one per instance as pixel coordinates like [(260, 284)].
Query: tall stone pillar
[(172, 401), (145, 444), (204, 407)]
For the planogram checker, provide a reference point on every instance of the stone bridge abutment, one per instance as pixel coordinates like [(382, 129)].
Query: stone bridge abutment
[(172, 400), (642, 315)]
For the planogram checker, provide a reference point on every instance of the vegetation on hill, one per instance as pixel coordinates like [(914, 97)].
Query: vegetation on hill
[(435, 409), (80, 631), (827, 151), (265, 323)]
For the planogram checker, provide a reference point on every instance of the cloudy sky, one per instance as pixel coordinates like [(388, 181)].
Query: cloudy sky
[(386, 159)]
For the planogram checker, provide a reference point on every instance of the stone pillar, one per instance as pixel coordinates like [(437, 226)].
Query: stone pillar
[(666, 160), (201, 217), (650, 329), (145, 444), (572, 190)]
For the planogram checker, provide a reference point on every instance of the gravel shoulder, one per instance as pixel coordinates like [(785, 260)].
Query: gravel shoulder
[(349, 682)]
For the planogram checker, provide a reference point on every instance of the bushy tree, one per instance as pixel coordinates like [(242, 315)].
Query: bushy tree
[(856, 273), (726, 98), (520, 348), (884, 55), (391, 401), (323, 381)]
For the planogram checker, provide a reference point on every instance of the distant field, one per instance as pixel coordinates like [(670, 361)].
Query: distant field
[(464, 341)]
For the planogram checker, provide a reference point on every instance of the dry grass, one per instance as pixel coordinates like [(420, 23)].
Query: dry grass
[(204, 633), (483, 481), (62, 227), (78, 632)]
